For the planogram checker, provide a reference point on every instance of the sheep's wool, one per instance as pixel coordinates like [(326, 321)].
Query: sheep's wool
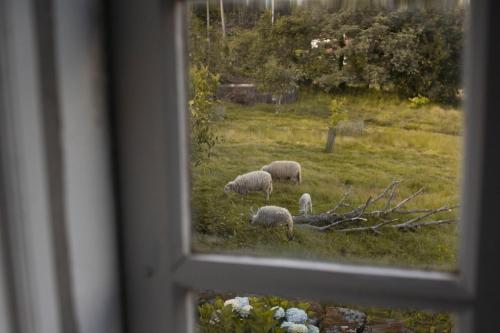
[(295, 315), (294, 328), (254, 181), (279, 312), (305, 203)]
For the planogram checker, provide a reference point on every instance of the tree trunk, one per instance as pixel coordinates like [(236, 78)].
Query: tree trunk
[(208, 24), (223, 22), (272, 11), (278, 104), (330, 140)]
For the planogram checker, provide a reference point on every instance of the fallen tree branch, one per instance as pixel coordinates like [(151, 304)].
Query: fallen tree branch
[(423, 224), (405, 201), (429, 213), (332, 220), (419, 211), (403, 226), (341, 203), (333, 224), (373, 228)]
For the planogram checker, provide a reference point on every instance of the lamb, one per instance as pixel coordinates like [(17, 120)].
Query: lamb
[(284, 170), (305, 204), (271, 216), (255, 181)]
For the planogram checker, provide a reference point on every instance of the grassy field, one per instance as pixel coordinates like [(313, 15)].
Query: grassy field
[(420, 146)]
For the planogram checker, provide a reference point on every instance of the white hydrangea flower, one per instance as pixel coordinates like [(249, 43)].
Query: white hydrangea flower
[(279, 312), (295, 315), (240, 305), (312, 329), (243, 301), (244, 311), (294, 328), (235, 304)]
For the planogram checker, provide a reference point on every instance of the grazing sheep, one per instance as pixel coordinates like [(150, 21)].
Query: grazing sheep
[(305, 204), (284, 170), (271, 216), (255, 181)]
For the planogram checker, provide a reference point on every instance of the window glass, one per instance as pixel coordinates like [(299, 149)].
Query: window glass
[(220, 313), (344, 115)]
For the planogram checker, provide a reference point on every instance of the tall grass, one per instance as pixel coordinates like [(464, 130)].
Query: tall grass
[(421, 146)]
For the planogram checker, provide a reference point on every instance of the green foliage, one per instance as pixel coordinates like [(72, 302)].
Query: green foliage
[(338, 112), (277, 79), (214, 317), (202, 89), (253, 136), (407, 52), (419, 101)]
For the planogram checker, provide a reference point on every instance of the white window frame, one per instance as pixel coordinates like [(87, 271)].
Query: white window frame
[(160, 270), (59, 269), (44, 289)]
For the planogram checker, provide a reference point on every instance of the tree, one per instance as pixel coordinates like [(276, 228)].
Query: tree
[(408, 52), (272, 11), (337, 113), (208, 23), (222, 19), (277, 80), (202, 90)]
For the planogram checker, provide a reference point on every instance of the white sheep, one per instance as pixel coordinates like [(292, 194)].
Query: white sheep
[(255, 181), (305, 204), (271, 216), (284, 170)]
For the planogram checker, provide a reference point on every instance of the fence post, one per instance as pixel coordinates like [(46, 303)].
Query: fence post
[(330, 141)]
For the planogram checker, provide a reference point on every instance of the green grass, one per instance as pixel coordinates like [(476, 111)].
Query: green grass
[(421, 146)]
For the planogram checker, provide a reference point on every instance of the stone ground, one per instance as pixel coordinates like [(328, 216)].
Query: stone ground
[(332, 319)]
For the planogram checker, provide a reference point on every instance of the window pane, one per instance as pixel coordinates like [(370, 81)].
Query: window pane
[(252, 313), (346, 114)]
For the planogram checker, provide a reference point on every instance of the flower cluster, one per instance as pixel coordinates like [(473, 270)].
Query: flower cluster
[(241, 305), (291, 320), (279, 312), (296, 322)]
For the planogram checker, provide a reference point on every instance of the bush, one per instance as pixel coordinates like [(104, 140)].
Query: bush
[(262, 314), (419, 101), (201, 106), (338, 112), (408, 52)]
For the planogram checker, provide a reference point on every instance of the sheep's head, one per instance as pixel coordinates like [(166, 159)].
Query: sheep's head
[(252, 215), (229, 187), (264, 168), (289, 233)]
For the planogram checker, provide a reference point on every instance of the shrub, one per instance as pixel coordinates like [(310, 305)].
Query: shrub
[(337, 112), (419, 101), (201, 106), (235, 315), (408, 52)]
